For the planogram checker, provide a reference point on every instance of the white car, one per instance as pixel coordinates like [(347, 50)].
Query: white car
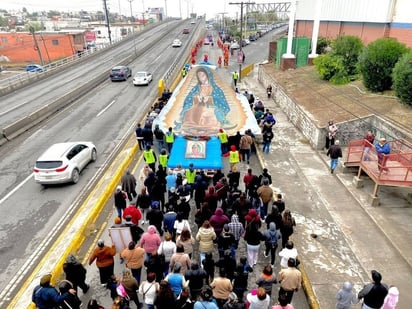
[(142, 78), (234, 46), (63, 162), (177, 43)]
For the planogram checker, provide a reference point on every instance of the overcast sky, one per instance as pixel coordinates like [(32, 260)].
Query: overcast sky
[(174, 7)]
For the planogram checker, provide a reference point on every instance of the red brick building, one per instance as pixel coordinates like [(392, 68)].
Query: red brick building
[(20, 46)]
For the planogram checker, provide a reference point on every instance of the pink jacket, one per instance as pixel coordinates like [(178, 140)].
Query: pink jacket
[(150, 241)]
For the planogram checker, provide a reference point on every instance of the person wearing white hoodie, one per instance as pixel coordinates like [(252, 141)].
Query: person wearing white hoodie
[(345, 297), (288, 252), (391, 300)]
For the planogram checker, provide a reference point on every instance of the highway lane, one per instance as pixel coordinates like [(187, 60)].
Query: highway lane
[(28, 99), (31, 214)]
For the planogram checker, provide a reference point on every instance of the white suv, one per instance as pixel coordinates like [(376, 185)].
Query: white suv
[(63, 162)]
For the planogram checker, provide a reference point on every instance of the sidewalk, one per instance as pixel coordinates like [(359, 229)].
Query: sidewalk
[(339, 236)]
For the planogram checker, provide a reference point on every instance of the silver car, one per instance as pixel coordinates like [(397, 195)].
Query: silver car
[(63, 162)]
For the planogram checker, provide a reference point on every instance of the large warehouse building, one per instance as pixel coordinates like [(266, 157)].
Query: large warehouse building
[(367, 19)]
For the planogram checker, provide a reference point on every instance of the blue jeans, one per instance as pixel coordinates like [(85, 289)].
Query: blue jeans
[(333, 163), (160, 145), (263, 210), (119, 212), (266, 146)]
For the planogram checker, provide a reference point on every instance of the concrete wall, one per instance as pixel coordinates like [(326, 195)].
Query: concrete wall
[(349, 130)]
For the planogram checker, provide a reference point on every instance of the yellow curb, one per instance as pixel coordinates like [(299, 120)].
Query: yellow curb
[(80, 236)]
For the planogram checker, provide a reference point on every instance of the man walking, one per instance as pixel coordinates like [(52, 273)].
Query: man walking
[(235, 77), (150, 157), (335, 152), (373, 293), (245, 146), (139, 136), (266, 195), (290, 280), (170, 138), (160, 136)]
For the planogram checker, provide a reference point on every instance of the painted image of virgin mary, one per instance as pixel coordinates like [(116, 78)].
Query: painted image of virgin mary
[(205, 107)]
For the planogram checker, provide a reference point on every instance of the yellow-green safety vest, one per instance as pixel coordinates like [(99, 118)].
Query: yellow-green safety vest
[(190, 176), (163, 160), (223, 137), (170, 138), (149, 156), (234, 156)]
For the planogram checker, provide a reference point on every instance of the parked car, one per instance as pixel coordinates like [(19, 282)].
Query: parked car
[(186, 31), (120, 73), (63, 162), (34, 68), (234, 46), (142, 78), (252, 37), (176, 43)]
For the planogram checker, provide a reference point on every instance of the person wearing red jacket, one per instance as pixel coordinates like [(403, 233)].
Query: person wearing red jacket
[(134, 212)]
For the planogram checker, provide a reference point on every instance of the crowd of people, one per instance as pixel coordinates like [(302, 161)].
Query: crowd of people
[(178, 258), (188, 253), (195, 225)]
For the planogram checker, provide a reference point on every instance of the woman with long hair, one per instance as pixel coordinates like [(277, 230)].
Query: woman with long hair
[(205, 237), (167, 248), (187, 241), (286, 229), (143, 202), (165, 298)]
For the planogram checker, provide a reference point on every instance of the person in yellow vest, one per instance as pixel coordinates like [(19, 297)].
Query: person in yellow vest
[(235, 77), (170, 138), (190, 174), (163, 158), (234, 157), (223, 137), (183, 72), (150, 157)]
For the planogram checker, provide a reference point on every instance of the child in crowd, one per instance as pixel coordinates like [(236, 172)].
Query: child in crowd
[(346, 297)]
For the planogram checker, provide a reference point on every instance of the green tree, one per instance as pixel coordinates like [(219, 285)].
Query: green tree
[(377, 61), (322, 45), (37, 26), (349, 48), (331, 67), (402, 78)]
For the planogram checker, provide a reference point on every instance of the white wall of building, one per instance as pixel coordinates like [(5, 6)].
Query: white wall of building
[(379, 11), (403, 11)]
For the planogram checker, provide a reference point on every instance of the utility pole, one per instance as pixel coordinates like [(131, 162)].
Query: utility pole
[(143, 12), (222, 24), (106, 14), (131, 10), (36, 45), (240, 53)]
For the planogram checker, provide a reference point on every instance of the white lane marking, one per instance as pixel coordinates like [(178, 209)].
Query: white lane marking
[(106, 108), (13, 108), (16, 188)]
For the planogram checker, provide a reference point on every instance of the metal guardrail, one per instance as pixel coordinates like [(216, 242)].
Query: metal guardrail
[(172, 74)]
